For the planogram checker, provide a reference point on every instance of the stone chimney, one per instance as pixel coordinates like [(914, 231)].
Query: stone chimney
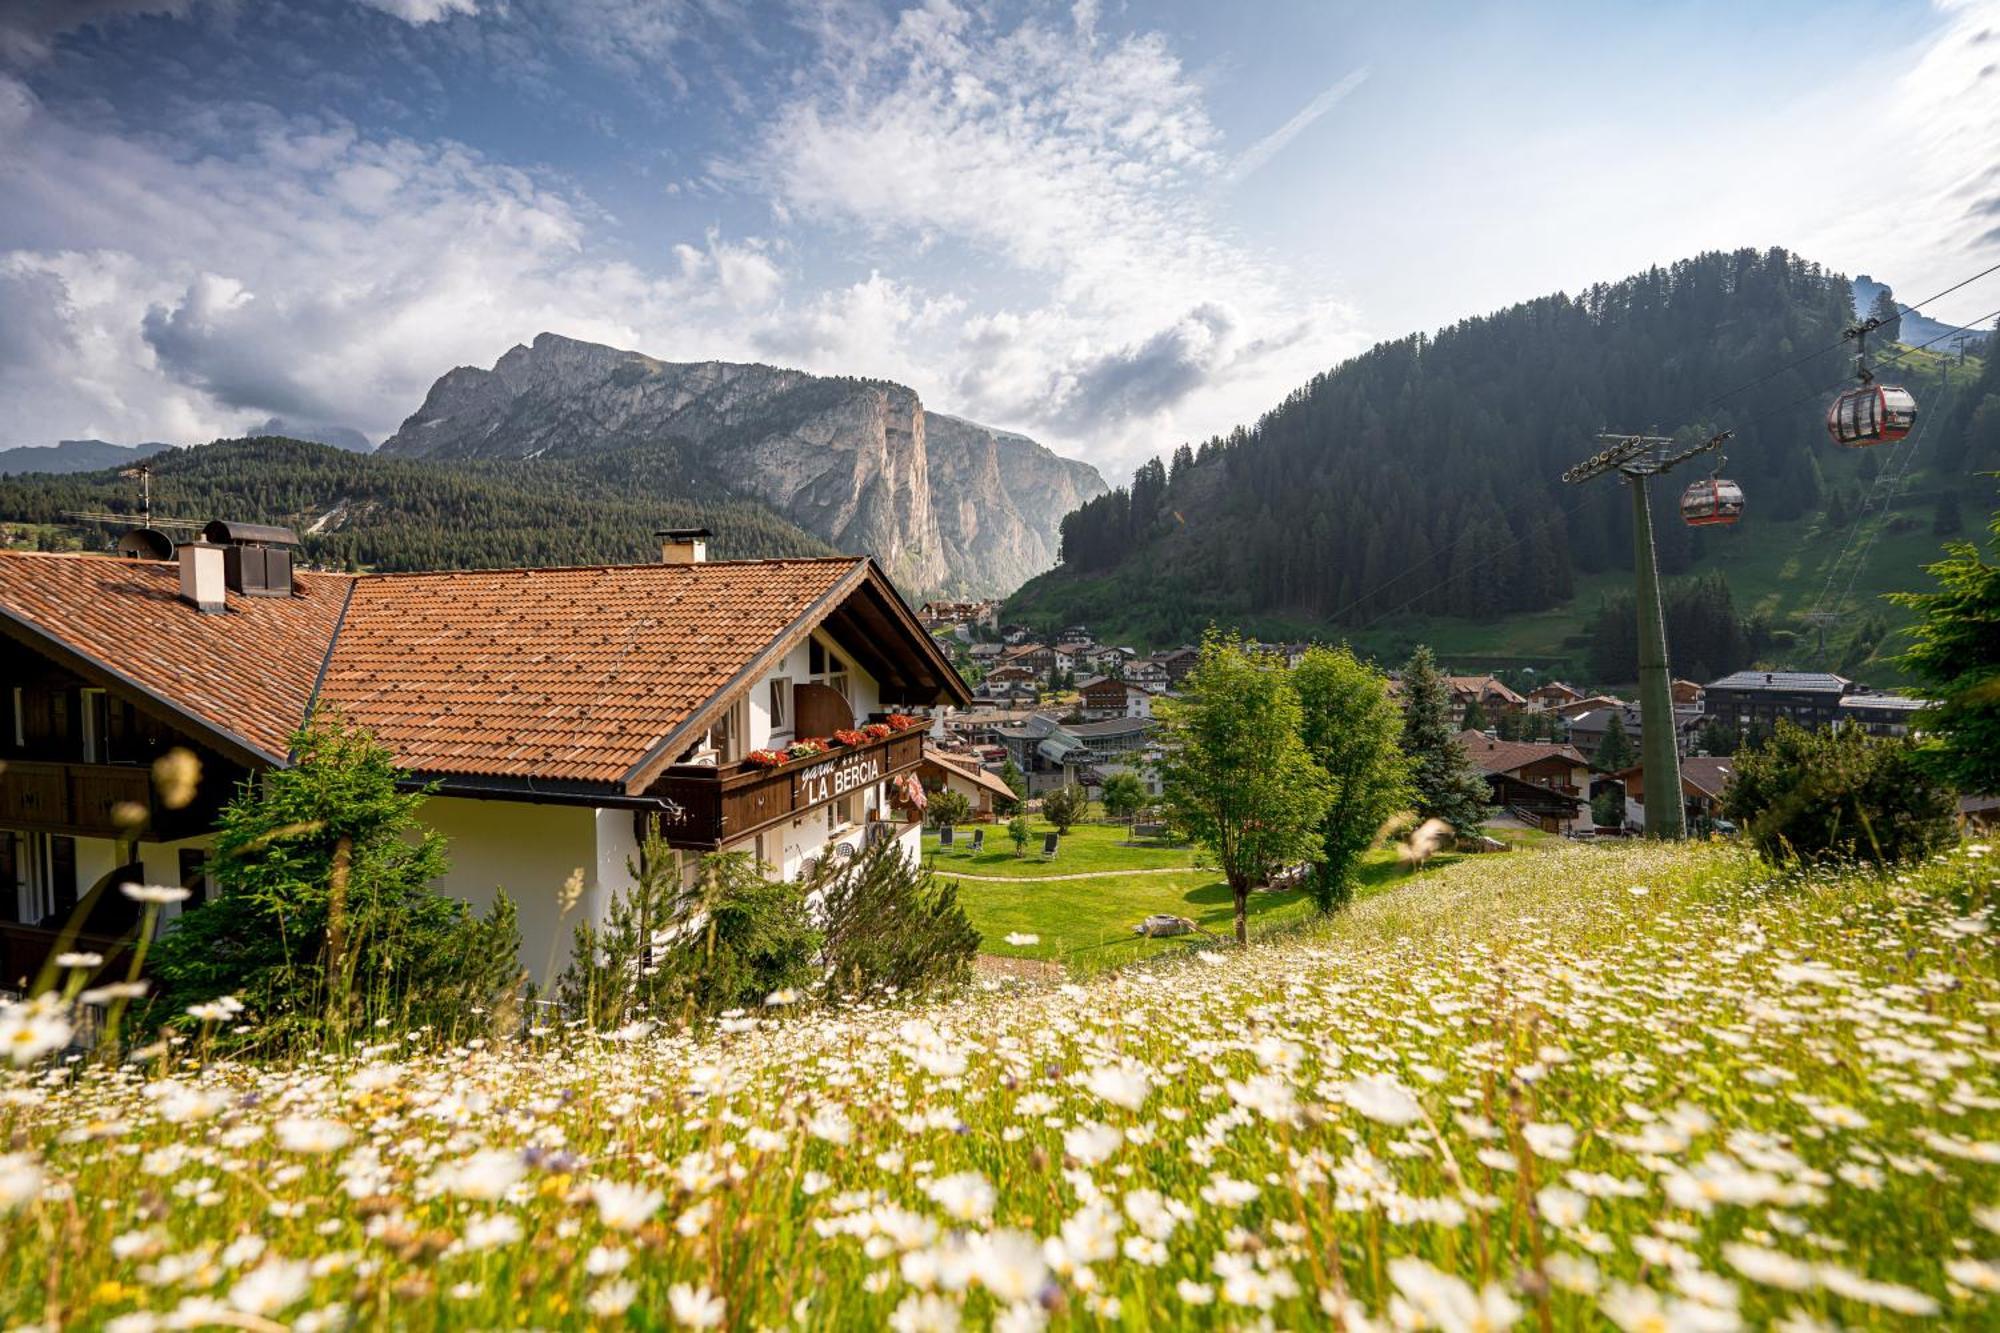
[(683, 546), (203, 576)]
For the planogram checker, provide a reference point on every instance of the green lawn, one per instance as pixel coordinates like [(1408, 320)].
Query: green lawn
[(1087, 847), (1086, 924)]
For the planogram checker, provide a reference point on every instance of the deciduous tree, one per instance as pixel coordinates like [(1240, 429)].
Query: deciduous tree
[(1353, 730), (1237, 774)]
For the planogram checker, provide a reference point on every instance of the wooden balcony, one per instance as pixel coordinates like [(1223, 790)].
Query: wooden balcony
[(721, 805), (84, 800), (24, 948)]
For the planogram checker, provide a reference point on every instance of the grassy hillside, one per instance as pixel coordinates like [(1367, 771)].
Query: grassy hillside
[(1650, 1086), (1777, 568)]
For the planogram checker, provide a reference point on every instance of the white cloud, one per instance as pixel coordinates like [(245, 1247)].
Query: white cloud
[(423, 11), (1086, 166)]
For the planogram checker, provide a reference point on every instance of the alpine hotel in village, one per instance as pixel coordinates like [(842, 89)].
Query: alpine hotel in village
[(552, 712)]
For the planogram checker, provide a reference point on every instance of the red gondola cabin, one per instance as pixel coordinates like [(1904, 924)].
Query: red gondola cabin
[(1871, 414), (1711, 501)]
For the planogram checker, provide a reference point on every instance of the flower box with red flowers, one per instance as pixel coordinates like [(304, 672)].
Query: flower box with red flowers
[(764, 758), (877, 731), (848, 737), (903, 721)]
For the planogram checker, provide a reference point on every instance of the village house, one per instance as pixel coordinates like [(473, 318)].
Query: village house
[(956, 615), (1704, 783), (1541, 785), (1758, 700), (963, 774), (1493, 697), (1881, 714), (1586, 729), (1148, 674), (1107, 696), (558, 712), (1551, 694), (1036, 658), (1177, 663)]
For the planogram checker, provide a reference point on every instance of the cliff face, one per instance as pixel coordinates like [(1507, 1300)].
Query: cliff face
[(944, 504)]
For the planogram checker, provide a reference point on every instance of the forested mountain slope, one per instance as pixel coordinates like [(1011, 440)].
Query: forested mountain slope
[(399, 514), (1422, 478)]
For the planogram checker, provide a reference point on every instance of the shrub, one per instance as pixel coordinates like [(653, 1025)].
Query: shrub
[(325, 918), (947, 807), (668, 951), (1017, 833), (891, 924), (1064, 806), (1838, 794), (1124, 793)]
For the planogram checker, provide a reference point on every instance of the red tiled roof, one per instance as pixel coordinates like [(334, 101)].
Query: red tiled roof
[(563, 674), (246, 673), (572, 675), (1496, 756)]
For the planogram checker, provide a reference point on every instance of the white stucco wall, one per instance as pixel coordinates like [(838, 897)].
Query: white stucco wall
[(531, 851), (864, 692)]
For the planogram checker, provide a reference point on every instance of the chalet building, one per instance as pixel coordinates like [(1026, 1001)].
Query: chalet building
[(1009, 673), (1105, 696), (1588, 703), (1178, 663), (1704, 782), (1072, 655), (1037, 658), (1551, 694), (1542, 785), (557, 712), (1493, 697), (1688, 694), (1148, 674), (962, 773), (952, 615), (1586, 729), (1881, 714), (1758, 700)]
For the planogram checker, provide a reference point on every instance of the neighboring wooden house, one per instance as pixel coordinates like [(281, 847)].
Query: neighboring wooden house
[(1493, 696), (558, 712), (1148, 674), (1177, 663), (987, 794), (1704, 783), (1552, 694), (1105, 696), (1036, 657), (1558, 770)]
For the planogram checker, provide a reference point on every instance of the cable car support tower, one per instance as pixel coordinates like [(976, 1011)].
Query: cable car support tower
[(1638, 459)]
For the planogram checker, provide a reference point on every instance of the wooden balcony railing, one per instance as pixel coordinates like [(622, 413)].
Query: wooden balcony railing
[(721, 805), (91, 800)]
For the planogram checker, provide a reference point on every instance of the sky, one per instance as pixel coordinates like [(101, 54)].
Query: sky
[(1111, 227)]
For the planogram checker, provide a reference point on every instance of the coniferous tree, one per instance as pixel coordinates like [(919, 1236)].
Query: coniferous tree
[(1615, 753), (1444, 781)]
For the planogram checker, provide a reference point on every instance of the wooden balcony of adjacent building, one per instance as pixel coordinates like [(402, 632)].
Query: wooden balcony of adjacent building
[(722, 803), (92, 801)]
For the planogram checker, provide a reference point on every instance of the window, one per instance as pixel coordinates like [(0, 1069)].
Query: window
[(826, 668), (96, 726), (781, 704)]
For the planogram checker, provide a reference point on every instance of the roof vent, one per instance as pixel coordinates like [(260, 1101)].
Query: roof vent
[(683, 546), (257, 557)]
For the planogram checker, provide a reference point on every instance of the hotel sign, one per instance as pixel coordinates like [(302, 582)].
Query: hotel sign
[(836, 777)]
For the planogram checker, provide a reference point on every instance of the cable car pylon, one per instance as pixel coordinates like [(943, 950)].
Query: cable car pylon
[(1638, 459)]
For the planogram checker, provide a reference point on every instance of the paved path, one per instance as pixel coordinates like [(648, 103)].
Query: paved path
[(1051, 879)]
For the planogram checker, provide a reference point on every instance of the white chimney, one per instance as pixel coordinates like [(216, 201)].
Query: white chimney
[(203, 577), (683, 546)]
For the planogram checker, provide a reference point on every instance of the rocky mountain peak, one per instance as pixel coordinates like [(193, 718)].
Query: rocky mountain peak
[(946, 504)]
